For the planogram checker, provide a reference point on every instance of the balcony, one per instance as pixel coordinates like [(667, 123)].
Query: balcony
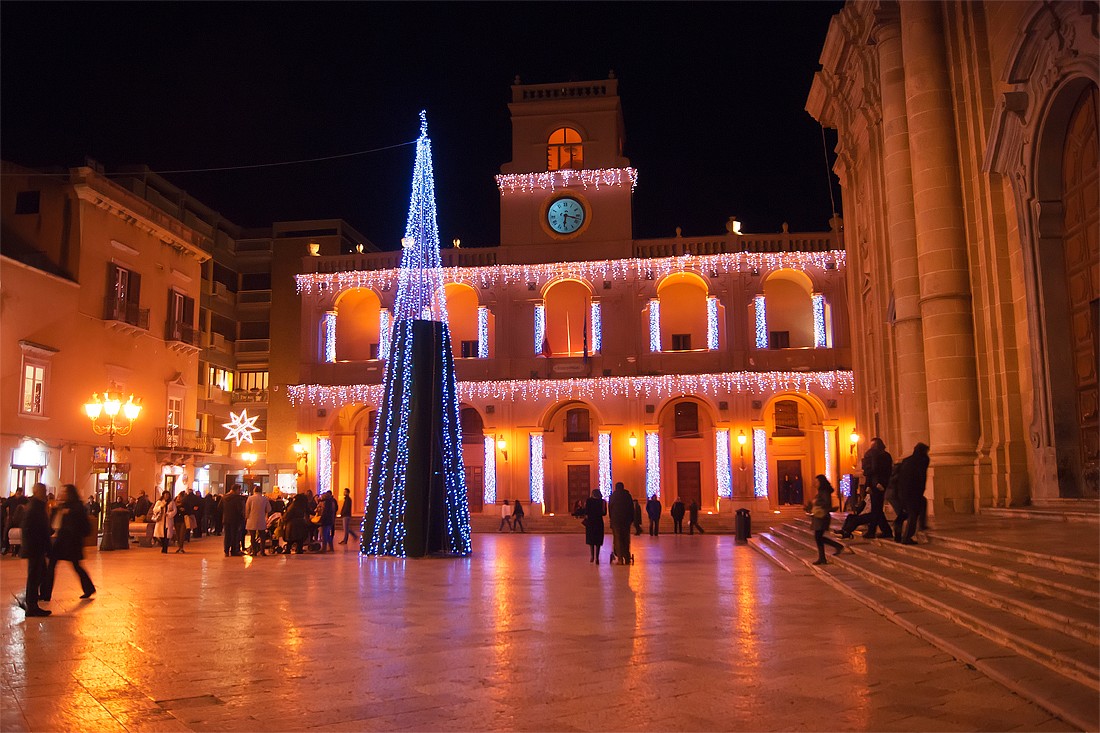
[(124, 316), (181, 337), (253, 395), (183, 441)]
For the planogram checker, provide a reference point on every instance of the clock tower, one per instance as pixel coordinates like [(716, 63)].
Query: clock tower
[(568, 181)]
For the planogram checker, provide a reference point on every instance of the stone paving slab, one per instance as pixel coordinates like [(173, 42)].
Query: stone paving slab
[(701, 634)]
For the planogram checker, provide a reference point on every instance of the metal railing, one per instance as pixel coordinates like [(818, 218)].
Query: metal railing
[(190, 441), (182, 332), (116, 309)]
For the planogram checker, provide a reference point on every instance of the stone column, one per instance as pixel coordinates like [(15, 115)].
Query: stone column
[(942, 259), (912, 397)]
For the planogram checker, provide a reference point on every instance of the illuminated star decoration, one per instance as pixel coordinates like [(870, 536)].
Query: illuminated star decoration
[(241, 427)]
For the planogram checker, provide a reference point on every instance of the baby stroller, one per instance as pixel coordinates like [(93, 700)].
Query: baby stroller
[(281, 538)]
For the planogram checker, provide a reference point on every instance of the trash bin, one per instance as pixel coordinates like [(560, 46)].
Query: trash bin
[(116, 535), (742, 526)]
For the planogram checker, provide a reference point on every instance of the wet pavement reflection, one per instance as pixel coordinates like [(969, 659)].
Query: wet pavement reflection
[(700, 634)]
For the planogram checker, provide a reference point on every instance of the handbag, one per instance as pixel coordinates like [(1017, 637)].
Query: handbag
[(818, 512)]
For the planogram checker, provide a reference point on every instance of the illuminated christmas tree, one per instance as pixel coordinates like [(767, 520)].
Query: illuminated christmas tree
[(417, 502)]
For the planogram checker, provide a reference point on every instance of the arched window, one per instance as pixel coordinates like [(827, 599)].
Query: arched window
[(564, 150), (473, 429), (684, 320), (790, 317), (578, 427), (786, 418), (568, 319), (464, 321), (686, 423), (357, 326)]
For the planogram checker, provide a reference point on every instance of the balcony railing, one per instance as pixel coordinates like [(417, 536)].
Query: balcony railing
[(249, 395), (116, 309), (189, 441), (182, 332)]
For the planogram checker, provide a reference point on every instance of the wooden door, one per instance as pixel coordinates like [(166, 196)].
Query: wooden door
[(580, 484), (689, 483), (475, 488)]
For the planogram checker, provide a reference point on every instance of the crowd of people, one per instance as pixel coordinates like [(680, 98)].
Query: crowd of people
[(901, 486)]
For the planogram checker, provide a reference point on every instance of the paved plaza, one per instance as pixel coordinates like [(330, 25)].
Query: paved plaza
[(700, 634)]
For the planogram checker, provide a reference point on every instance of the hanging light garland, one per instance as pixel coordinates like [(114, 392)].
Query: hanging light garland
[(553, 180), (711, 385), (594, 271)]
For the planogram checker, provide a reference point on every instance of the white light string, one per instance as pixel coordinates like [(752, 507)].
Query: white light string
[(711, 385), (594, 271)]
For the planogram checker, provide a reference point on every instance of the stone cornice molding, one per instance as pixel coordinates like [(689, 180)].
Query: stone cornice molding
[(183, 241)]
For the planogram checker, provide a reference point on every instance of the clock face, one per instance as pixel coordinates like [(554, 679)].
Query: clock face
[(565, 216)]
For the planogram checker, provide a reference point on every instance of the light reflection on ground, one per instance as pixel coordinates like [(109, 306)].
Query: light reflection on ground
[(699, 634)]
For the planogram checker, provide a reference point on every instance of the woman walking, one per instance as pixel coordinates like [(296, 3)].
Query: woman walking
[(164, 521), (517, 517), (72, 525), (819, 509), (594, 511)]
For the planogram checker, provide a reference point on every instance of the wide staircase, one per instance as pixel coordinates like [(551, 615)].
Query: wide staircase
[(1016, 596)]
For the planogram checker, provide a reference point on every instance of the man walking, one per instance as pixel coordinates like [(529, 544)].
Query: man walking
[(693, 517), (35, 543), (346, 517)]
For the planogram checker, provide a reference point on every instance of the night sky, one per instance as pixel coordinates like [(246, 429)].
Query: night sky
[(712, 94)]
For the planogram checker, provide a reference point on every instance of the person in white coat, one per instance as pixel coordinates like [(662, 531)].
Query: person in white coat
[(164, 520), (256, 510)]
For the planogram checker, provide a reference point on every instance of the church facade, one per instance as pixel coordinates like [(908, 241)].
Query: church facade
[(714, 369), (968, 162)]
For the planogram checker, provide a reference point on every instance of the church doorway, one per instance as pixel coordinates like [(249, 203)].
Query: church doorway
[(580, 483), (789, 479), (689, 482)]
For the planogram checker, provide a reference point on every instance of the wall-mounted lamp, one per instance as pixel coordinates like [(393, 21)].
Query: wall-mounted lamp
[(742, 439), (502, 446), (633, 440), (854, 438)]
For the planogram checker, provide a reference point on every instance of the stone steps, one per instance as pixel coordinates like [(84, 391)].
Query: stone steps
[(1040, 640)]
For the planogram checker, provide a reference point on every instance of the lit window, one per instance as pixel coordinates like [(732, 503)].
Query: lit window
[(564, 150), (34, 388)]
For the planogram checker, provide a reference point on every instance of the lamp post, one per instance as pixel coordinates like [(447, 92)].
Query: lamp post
[(108, 405), (741, 440), (249, 461), (302, 455)]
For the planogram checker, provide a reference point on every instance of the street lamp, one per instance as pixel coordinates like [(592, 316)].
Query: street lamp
[(249, 461), (633, 440), (103, 410), (302, 455)]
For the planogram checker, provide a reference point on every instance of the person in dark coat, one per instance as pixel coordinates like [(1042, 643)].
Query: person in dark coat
[(233, 522), (34, 546), (620, 514), (594, 511), (183, 506), (71, 518), (877, 465), (677, 513), (517, 517), (297, 523), (346, 515), (637, 517), (693, 518), (328, 522), (912, 475), (16, 509), (819, 508), (653, 511)]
